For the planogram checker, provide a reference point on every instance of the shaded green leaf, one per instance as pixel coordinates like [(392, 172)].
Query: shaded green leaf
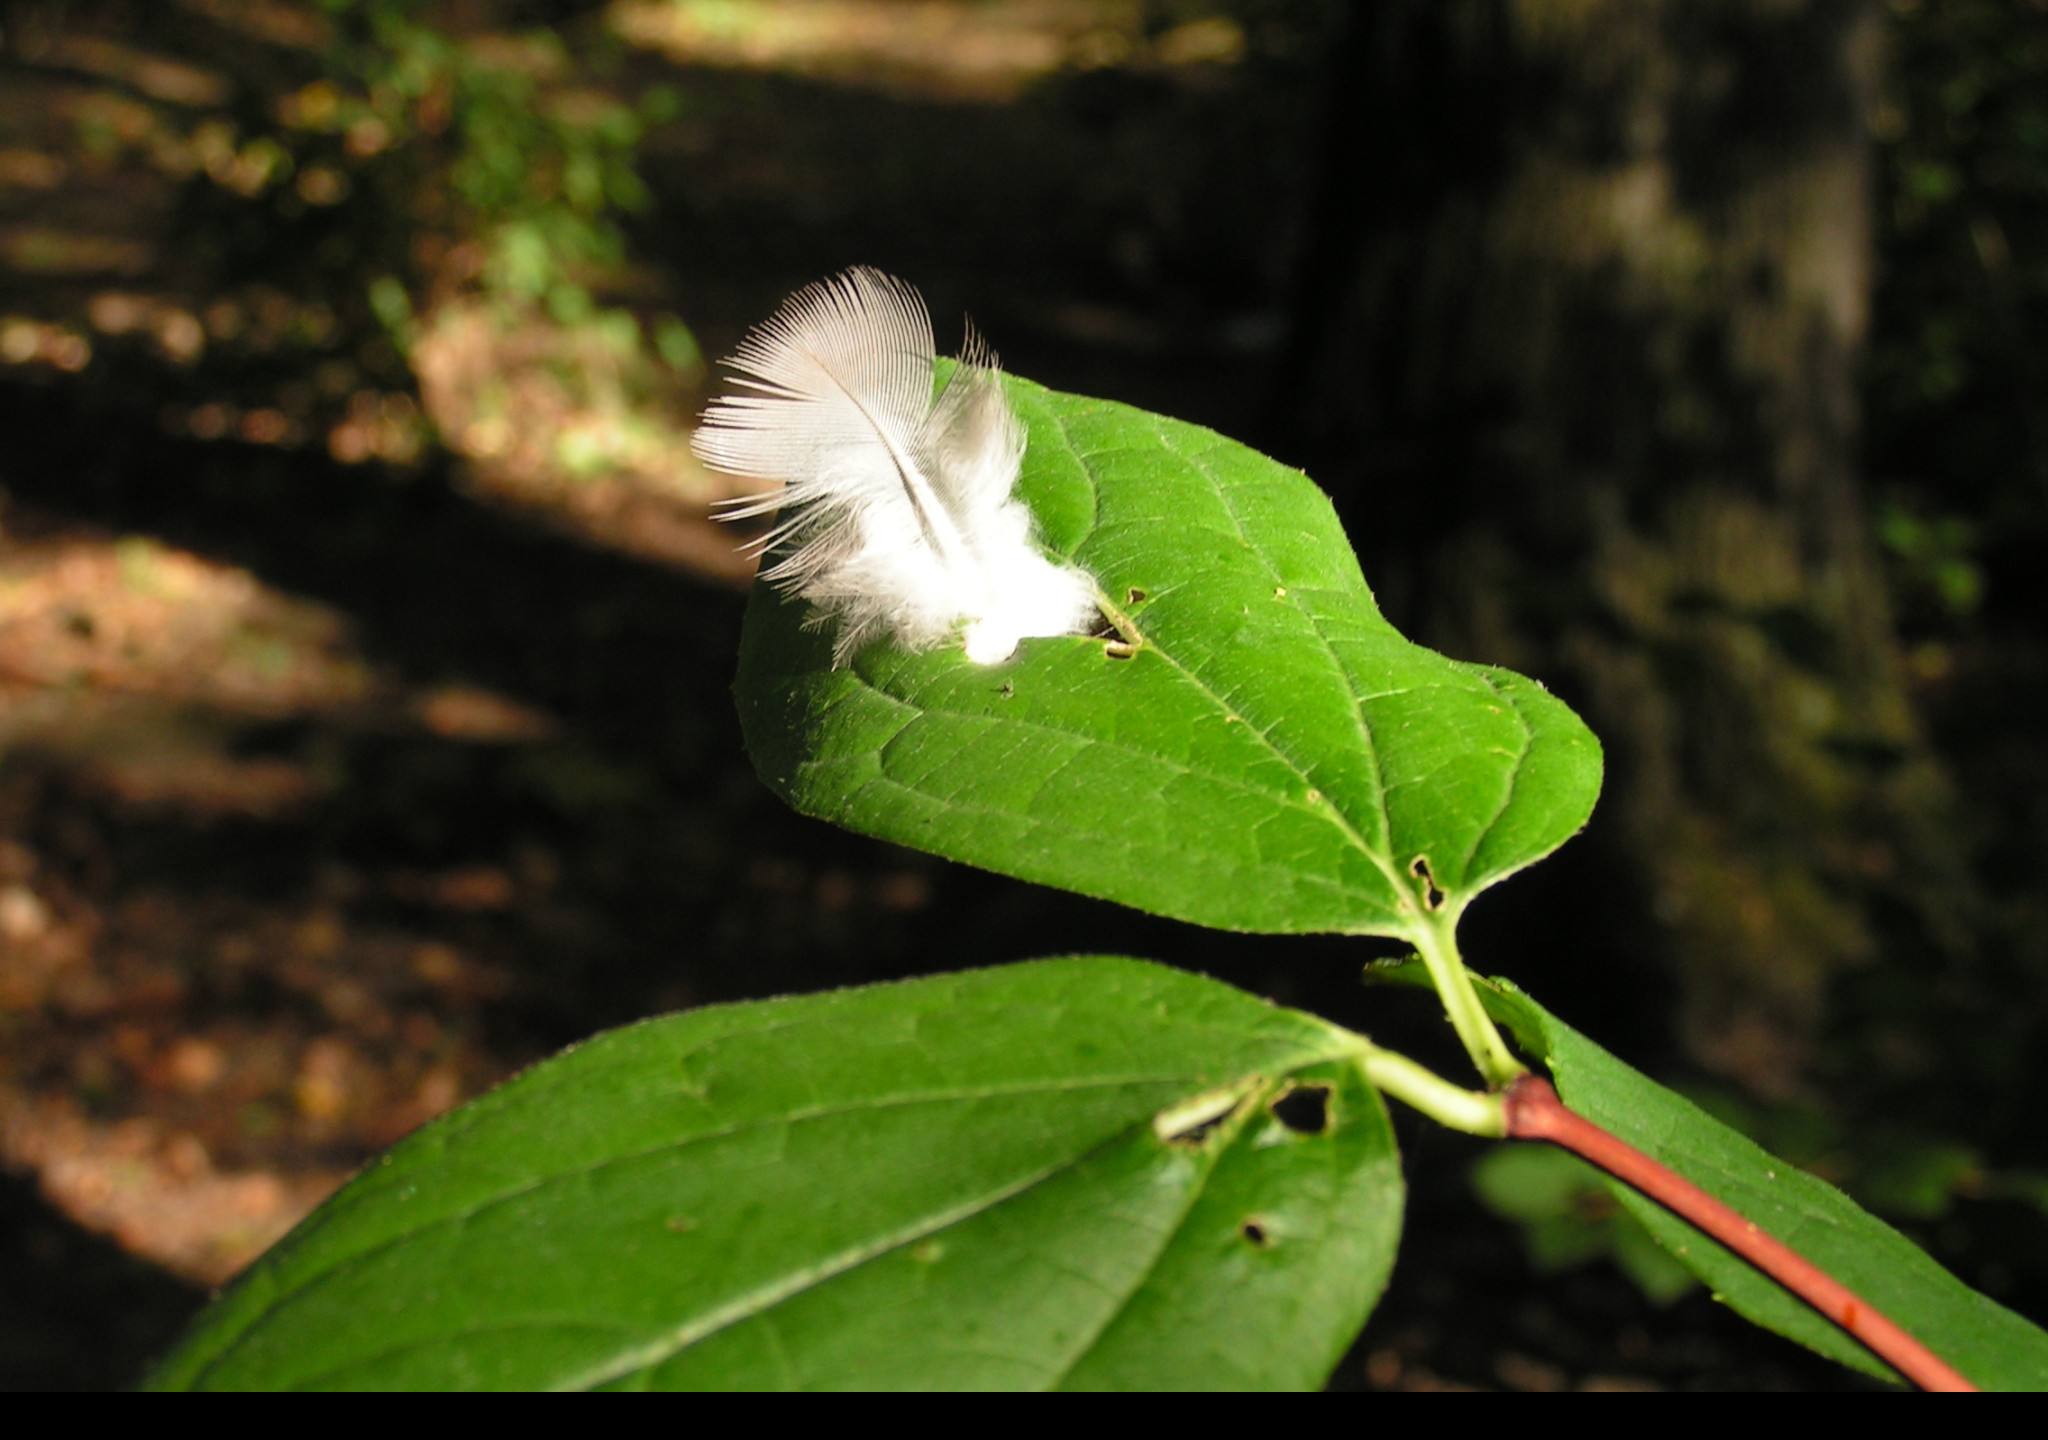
[(1274, 756), (1994, 1347), (951, 1182)]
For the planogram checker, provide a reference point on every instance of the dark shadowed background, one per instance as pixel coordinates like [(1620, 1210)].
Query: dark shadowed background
[(365, 644)]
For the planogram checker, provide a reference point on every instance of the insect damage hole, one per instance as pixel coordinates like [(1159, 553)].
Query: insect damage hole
[(1134, 596), (1432, 898), (1305, 1109), (1254, 1229), (1194, 1120)]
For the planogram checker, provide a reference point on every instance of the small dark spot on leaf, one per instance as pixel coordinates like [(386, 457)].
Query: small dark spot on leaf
[(1305, 1110), (1432, 898), (1254, 1230), (1134, 596), (1119, 649), (1007, 690)]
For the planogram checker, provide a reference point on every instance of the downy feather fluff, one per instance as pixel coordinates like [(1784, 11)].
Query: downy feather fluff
[(896, 512)]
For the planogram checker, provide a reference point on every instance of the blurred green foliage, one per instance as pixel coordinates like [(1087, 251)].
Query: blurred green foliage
[(1568, 1218), (459, 175), (537, 168), (1957, 412), (1935, 557), (1956, 451)]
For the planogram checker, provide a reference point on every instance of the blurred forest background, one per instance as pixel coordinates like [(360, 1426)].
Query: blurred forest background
[(364, 644)]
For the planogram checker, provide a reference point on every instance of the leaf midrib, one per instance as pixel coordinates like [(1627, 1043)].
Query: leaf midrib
[(766, 1297), (1386, 865), (1325, 812), (309, 1283), (1234, 1133), (1330, 811)]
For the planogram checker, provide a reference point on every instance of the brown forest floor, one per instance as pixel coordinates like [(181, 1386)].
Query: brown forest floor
[(337, 784)]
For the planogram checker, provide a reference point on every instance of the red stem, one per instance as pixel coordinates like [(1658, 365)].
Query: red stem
[(1535, 1113)]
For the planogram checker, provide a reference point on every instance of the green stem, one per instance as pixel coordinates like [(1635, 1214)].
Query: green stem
[(1472, 1111), (1436, 940)]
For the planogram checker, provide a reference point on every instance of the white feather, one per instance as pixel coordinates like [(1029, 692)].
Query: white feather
[(897, 516)]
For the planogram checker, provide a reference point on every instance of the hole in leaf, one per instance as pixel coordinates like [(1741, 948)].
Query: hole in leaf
[(1432, 898), (1134, 596), (1305, 1110), (1254, 1230), (1119, 649), (1196, 1135), (1193, 1121)]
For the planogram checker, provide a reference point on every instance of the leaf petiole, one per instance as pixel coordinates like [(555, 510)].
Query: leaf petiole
[(1436, 940), (1473, 1111)]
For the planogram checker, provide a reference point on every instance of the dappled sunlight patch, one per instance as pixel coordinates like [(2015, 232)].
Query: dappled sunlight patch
[(137, 666), (118, 159), (32, 342), (191, 1066), (158, 76), (130, 616), (275, 22), (178, 333), (956, 48), (154, 1189), (189, 1073), (578, 425), (479, 716), (384, 426), (26, 169), (149, 762), (49, 251), (194, 1131)]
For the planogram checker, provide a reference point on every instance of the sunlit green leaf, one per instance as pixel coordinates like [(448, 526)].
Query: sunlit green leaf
[(952, 1182), (1273, 756)]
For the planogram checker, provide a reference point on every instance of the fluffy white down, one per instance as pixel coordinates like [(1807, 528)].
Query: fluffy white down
[(897, 516)]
